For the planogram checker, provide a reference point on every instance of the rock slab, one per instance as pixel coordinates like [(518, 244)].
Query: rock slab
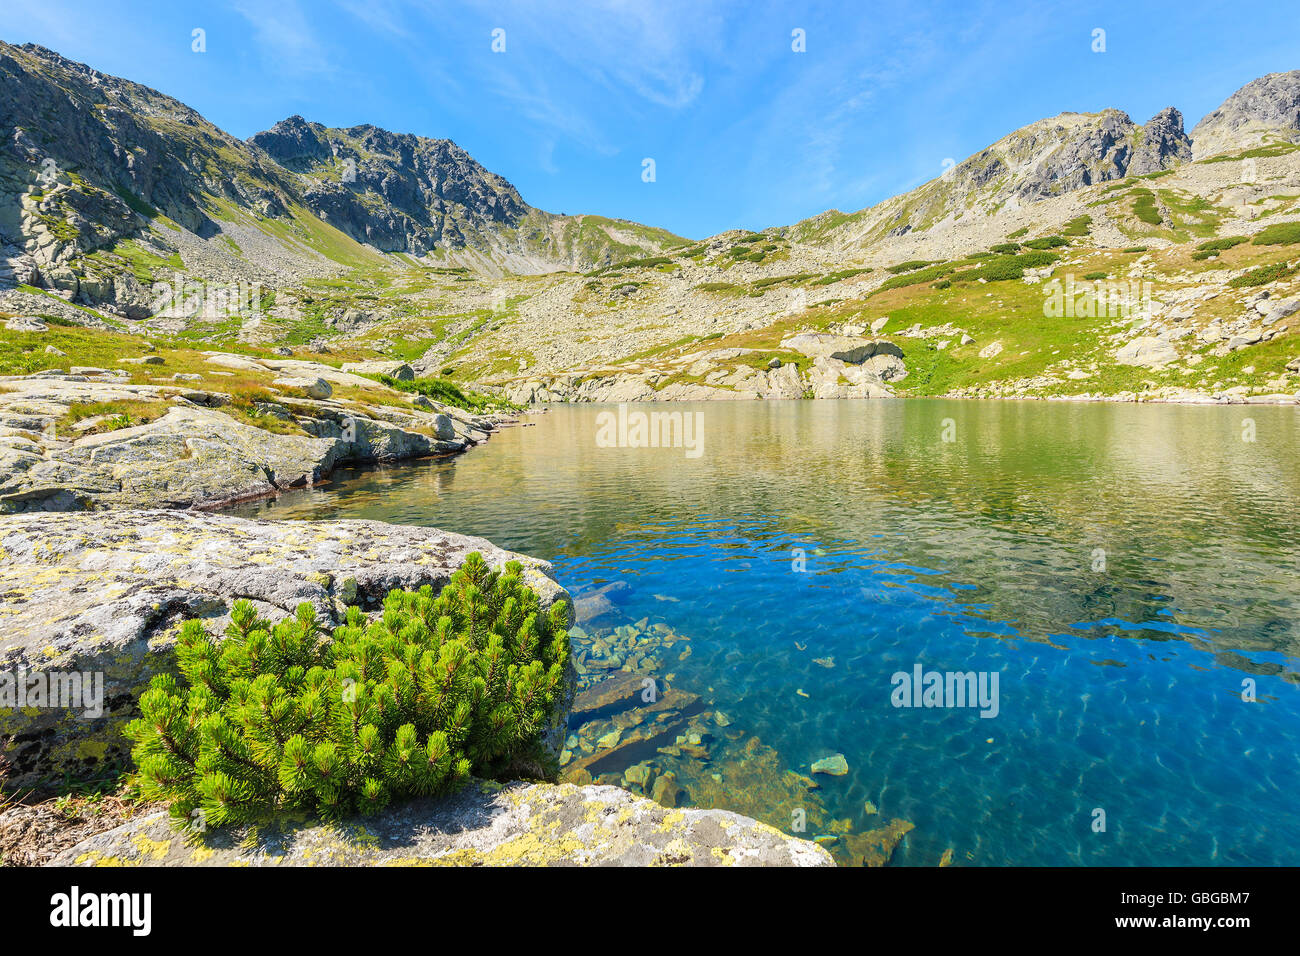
[(485, 824)]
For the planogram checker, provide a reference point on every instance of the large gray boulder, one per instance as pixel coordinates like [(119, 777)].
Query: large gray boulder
[(398, 370), (845, 348), (485, 824), (104, 593), (1147, 351)]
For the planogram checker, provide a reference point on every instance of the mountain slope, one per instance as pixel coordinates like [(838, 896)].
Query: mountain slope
[(383, 247), (415, 195), (1047, 158), (1266, 110), (106, 184)]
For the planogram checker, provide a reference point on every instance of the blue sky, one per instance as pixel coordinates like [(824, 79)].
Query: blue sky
[(744, 131)]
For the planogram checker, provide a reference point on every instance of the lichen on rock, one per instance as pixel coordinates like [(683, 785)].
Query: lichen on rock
[(485, 824)]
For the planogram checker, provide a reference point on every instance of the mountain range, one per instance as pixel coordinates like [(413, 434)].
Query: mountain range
[(396, 246)]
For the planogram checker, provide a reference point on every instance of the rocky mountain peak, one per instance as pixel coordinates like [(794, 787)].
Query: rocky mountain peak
[(396, 191), (294, 143), (1159, 144), (1044, 159), (1264, 110)]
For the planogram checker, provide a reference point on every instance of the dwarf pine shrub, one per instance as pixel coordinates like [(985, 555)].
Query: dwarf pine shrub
[(280, 717)]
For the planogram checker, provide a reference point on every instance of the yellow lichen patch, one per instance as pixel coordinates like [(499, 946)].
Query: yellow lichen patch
[(95, 858), (534, 848), (201, 854), (723, 856), (468, 856), (158, 849), (671, 821), (677, 851), (761, 827), (96, 749)]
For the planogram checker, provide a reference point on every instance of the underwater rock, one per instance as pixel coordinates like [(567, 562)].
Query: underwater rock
[(666, 791), (835, 765), (875, 847)]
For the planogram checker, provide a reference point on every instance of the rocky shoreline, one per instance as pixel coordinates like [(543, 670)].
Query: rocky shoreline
[(198, 455)]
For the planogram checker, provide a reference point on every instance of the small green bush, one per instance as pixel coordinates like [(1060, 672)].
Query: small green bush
[(1004, 268), (1094, 276), (1047, 242), (1281, 234), (280, 718), (1005, 247), (916, 278), (1215, 245), (1263, 275), (832, 277), (1144, 207), (910, 266), (1136, 249), (1079, 226), (448, 393), (777, 280), (646, 262)]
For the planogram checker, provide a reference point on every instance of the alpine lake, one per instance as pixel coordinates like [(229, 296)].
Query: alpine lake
[(921, 632)]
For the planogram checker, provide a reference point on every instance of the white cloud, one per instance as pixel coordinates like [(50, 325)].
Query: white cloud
[(285, 37)]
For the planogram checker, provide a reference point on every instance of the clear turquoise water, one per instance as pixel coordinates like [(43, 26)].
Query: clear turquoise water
[(1120, 688)]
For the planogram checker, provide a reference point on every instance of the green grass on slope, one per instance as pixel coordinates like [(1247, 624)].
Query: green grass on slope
[(1281, 234), (446, 392)]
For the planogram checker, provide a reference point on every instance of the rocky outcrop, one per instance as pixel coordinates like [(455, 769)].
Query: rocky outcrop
[(398, 370), (104, 593), (485, 824), (1264, 110), (1160, 144), (197, 455), (1057, 156), (396, 192), (1147, 350), (88, 161)]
